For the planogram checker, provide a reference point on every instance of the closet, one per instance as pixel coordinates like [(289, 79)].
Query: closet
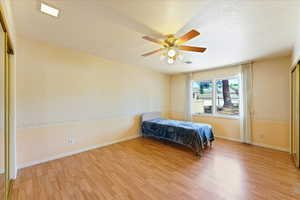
[(2, 116), (295, 108), (5, 110)]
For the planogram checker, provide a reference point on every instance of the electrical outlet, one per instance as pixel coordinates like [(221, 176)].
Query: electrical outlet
[(70, 140)]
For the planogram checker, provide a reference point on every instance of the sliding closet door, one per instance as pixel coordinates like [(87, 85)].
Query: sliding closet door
[(2, 116), (295, 115)]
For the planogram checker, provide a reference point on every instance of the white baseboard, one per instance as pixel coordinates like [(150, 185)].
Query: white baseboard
[(228, 138), (255, 144), (75, 152), (1, 171), (271, 147)]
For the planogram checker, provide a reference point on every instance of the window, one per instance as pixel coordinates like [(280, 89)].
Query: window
[(216, 97), (202, 102), (227, 96)]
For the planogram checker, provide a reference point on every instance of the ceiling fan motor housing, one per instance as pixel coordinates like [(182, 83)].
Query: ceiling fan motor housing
[(170, 41)]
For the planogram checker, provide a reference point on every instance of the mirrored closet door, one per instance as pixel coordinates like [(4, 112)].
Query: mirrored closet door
[(295, 115), (2, 116), (6, 51)]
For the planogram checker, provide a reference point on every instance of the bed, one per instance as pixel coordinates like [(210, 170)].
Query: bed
[(196, 136)]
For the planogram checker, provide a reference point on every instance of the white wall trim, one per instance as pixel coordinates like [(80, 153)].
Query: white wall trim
[(1, 171), (229, 138), (255, 144), (28, 164), (26, 125), (271, 147)]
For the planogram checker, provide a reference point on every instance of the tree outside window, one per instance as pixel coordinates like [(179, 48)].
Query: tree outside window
[(227, 96), (225, 99)]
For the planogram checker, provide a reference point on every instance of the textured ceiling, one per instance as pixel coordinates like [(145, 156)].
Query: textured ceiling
[(232, 30)]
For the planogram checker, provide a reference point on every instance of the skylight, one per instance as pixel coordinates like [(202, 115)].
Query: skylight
[(49, 10)]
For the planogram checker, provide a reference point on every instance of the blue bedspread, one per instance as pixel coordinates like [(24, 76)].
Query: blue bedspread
[(193, 135)]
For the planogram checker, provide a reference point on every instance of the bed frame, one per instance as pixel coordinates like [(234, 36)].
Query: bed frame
[(151, 115)]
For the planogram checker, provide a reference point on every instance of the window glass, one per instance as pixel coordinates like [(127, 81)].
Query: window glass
[(202, 101), (227, 96)]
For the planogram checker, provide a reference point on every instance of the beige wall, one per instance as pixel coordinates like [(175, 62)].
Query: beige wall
[(178, 85), (223, 127), (270, 103), (63, 93)]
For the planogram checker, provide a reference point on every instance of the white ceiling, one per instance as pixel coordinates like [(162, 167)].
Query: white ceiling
[(232, 30)]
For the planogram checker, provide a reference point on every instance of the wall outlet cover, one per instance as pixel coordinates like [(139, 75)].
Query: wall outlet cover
[(71, 140)]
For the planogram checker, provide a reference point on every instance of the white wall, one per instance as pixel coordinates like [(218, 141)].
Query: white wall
[(64, 93), (296, 50)]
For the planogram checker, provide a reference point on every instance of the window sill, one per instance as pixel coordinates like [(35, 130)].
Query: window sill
[(217, 116)]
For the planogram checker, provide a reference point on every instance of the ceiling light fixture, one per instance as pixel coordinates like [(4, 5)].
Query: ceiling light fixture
[(170, 60), (171, 53), (49, 10)]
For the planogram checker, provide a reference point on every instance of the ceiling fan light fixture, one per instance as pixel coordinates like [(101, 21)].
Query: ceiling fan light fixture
[(170, 60), (173, 46), (171, 53)]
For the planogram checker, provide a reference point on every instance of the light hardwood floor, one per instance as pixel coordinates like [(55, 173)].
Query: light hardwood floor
[(148, 169), (2, 179)]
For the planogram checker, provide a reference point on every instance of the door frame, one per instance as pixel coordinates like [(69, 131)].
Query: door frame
[(8, 50), (292, 69)]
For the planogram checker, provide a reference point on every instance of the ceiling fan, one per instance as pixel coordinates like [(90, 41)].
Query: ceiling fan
[(171, 45)]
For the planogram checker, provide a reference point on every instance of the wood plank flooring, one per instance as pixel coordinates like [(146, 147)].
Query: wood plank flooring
[(145, 169), (2, 180)]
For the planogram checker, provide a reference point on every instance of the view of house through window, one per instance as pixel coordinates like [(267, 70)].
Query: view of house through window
[(202, 97), (227, 96), (225, 102)]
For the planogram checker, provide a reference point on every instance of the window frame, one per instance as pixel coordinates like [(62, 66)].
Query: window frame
[(205, 114), (214, 94)]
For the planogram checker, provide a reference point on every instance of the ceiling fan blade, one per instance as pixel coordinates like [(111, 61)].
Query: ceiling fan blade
[(154, 40), (190, 48), (152, 52), (188, 36)]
